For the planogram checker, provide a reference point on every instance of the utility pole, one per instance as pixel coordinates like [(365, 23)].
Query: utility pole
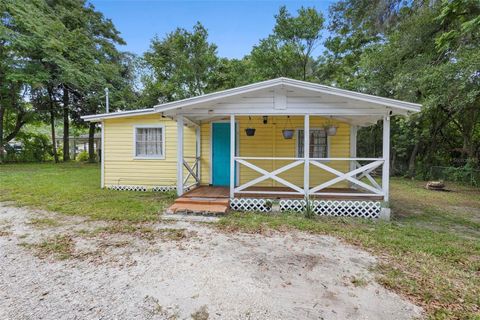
[(107, 105)]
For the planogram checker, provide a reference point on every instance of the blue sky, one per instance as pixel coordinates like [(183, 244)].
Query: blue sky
[(234, 26)]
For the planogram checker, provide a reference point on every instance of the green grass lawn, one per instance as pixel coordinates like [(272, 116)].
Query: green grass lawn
[(74, 188), (430, 251)]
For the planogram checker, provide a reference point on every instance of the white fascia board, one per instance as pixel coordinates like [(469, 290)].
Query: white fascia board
[(414, 107), (380, 101), (218, 95), (120, 114)]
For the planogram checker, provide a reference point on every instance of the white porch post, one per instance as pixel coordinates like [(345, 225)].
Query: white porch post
[(386, 158), (102, 156), (306, 155), (232, 155), (179, 155), (353, 146), (198, 151)]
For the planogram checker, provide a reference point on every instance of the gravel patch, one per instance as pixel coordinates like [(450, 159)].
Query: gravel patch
[(184, 270)]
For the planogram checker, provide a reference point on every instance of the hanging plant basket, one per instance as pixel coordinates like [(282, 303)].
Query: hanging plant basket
[(331, 130), (287, 133), (250, 132)]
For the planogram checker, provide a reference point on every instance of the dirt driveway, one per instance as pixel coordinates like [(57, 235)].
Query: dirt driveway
[(60, 267)]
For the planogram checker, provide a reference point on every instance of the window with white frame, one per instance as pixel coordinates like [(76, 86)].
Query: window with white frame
[(150, 142), (318, 143)]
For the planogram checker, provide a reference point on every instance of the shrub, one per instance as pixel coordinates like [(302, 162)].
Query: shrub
[(30, 147), (82, 156)]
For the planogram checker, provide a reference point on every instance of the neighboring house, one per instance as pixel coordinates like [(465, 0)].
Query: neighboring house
[(246, 147), (79, 144)]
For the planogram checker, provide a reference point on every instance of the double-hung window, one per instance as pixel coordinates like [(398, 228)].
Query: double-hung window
[(318, 143), (150, 142)]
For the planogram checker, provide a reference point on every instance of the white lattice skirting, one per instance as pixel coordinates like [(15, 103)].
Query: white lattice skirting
[(163, 188), (345, 208), (251, 204), (141, 188)]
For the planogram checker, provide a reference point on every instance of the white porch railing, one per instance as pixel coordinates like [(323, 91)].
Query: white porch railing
[(354, 177), (193, 171)]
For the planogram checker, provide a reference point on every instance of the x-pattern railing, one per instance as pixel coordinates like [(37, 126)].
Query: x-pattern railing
[(192, 172), (353, 176)]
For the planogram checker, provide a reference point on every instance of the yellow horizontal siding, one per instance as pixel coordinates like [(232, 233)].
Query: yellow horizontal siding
[(268, 141), (120, 165), (122, 168)]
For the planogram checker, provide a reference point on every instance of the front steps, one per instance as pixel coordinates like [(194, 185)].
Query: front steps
[(214, 206)]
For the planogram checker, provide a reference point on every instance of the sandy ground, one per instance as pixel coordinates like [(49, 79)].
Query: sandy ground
[(204, 274)]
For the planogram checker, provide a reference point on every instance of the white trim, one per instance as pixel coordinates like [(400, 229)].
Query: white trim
[(347, 176), (119, 114), (353, 145), (381, 101), (232, 153), (148, 126), (379, 107), (269, 175), (306, 155), (102, 162), (179, 155), (386, 158), (198, 152)]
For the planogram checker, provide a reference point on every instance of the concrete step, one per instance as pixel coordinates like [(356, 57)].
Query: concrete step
[(197, 208)]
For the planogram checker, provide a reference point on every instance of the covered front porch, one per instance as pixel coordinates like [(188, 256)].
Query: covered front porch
[(244, 154), (268, 165)]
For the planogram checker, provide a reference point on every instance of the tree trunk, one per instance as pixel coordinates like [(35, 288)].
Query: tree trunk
[(2, 148), (91, 142), (52, 125), (411, 161), (66, 126)]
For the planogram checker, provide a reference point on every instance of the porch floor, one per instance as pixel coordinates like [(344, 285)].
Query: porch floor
[(211, 192)]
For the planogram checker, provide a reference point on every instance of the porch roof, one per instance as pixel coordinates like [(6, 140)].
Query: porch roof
[(281, 96), (284, 96)]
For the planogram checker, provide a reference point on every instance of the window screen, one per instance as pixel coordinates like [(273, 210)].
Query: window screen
[(149, 142), (318, 143)]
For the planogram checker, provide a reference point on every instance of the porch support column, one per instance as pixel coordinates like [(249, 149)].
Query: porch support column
[(232, 156), (386, 158), (102, 156), (353, 145), (306, 155), (353, 151), (198, 152), (179, 155)]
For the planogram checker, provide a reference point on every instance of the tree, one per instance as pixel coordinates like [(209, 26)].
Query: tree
[(288, 51), (180, 65), (17, 72), (417, 51)]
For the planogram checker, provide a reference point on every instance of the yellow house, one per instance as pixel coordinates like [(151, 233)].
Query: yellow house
[(246, 148)]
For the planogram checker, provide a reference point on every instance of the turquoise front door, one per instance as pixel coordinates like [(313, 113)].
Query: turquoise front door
[(221, 154)]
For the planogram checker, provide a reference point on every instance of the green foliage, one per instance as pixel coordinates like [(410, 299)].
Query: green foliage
[(415, 52), (182, 65), (33, 147), (288, 51), (83, 156)]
